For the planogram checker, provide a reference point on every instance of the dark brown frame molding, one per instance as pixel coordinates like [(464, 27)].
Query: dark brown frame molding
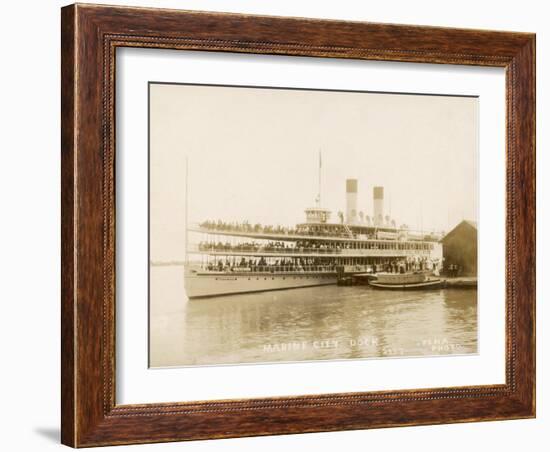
[(90, 35)]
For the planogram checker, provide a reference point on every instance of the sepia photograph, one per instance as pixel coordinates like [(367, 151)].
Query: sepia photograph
[(291, 224)]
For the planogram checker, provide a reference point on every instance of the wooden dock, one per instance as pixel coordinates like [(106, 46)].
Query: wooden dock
[(459, 282)]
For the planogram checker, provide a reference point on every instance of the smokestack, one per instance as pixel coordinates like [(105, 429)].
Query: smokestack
[(351, 201), (378, 198)]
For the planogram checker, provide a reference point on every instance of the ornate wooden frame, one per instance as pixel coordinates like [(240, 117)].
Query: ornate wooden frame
[(90, 35)]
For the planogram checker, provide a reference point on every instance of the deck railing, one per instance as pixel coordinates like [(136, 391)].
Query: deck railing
[(270, 269), (305, 252), (293, 234), (282, 233), (266, 249)]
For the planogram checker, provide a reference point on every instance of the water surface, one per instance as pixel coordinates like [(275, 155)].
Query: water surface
[(318, 323)]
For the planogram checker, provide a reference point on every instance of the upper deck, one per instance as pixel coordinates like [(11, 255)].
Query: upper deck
[(375, 249), (322, 232)]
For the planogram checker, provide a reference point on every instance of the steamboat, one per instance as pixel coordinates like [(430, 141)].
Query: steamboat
[(234, 258)]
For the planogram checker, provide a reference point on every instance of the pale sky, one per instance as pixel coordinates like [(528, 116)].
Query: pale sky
[(253, 155)]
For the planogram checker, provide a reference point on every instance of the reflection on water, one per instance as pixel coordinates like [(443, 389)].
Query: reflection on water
[(328, 322)]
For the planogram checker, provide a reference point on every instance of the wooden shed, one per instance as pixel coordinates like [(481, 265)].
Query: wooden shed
[(460, 250)]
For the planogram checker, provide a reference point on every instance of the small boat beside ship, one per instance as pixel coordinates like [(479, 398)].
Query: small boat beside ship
[(405, 281)]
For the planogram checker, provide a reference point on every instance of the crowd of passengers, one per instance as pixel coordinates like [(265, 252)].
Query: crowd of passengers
[(261, 265), (410, 266), (310, 264), (245, 226), (275, 247), (307, 230), (301, 246), (258, 228)]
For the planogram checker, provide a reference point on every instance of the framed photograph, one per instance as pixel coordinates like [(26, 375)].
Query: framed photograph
[(280, 225)]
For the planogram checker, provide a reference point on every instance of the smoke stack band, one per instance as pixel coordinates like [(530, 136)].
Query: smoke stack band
[(351, 201), (378, 201)]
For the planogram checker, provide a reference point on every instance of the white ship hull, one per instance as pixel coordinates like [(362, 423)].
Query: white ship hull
[(211, 284)]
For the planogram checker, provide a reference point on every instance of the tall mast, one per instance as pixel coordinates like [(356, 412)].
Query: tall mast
[(186, 209), (421, 219), (319, 192)]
